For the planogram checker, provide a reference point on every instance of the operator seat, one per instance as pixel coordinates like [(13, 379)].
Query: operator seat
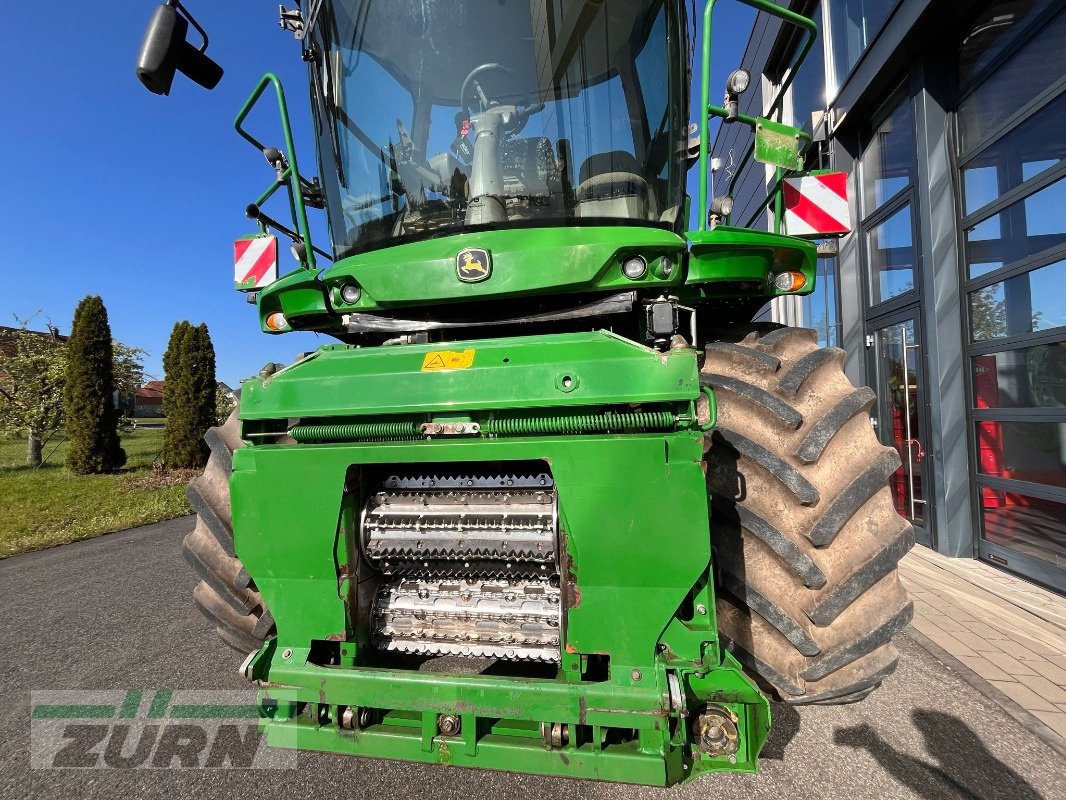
[(610, 185)]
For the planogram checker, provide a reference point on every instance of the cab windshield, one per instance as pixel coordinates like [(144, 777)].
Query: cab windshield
[(438, 116)]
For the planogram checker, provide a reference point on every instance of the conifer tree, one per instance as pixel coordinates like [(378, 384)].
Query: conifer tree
[(88, 395), (189, 396)]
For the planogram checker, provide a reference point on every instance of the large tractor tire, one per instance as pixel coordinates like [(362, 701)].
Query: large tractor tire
[(806, 538), (225, 594)]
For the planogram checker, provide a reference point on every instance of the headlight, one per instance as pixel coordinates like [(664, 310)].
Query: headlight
[(350, 293), (789, 281), (635, 268), (737, 82)]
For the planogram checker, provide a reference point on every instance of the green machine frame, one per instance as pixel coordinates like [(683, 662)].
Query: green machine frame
[(621, 429)]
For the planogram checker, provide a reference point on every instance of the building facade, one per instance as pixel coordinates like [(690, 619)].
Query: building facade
[(949, 295), (148, 401)]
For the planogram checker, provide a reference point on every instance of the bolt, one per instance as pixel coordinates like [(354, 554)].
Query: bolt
[(716, 732), (636, 675), (448, 725), (287, 653), (701, 609)]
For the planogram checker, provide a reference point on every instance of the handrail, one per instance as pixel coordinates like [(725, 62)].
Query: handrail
[(789, 16), (291, 174)]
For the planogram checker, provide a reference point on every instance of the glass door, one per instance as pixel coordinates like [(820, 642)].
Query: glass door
[(899, 417)]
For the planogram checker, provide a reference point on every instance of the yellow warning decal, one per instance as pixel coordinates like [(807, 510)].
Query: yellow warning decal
[(447, 359)]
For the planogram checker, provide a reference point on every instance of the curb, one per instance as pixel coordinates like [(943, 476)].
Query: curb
[(1015, 711)]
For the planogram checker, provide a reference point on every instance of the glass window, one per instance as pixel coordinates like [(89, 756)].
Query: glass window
[(1032, 301), (583, 137), (978, 269), (819, 308), (1024, 76), (1028, 525), (1029, 377), (855, 23), (890, 249), (1020, 230), (992, 31), (1025, 152), (807, 93), (1024, 451), (888, 161)]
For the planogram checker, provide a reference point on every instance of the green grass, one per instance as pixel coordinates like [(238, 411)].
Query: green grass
[(49, 506)]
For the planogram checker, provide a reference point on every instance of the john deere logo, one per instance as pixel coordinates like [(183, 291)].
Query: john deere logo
[(473, 265)]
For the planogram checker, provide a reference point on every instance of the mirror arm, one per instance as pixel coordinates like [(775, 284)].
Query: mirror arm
[(181, 9)]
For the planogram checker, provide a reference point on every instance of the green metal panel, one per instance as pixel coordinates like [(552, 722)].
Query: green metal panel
[(524, 261), (514, 373), (634, 519), (778, 145), (728, 254)]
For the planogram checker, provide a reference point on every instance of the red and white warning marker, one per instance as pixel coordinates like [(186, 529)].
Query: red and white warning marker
[(255, 262), (817, 205)]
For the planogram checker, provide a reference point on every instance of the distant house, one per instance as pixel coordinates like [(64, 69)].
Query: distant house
[(8, 337), (148, 400)]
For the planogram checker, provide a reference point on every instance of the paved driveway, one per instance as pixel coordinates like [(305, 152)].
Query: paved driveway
[(114, 613)]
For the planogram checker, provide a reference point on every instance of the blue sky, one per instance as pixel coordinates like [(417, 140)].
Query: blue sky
[(107, 189)]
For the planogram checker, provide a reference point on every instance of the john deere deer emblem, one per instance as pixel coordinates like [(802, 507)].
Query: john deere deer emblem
[(473, 265)]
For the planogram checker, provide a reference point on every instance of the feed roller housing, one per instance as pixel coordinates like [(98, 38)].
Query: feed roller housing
[(532, 527)]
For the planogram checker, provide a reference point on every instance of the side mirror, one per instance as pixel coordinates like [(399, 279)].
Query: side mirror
[(165, 50)]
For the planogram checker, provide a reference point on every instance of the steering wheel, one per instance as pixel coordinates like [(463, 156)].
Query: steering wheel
[(522, 113)]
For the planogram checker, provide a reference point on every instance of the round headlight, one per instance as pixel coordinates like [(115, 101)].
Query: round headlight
[(350, 293), (722, 206), (790, 281), (635, 268), (738, 81)]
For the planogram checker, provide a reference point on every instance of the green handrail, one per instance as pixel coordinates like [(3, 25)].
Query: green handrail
[(292, 172), (707, 110)]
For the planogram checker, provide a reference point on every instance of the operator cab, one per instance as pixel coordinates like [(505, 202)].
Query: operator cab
[(441, 118)]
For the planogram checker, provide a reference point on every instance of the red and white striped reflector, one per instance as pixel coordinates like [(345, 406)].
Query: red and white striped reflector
[(255, 262), (817, 205)]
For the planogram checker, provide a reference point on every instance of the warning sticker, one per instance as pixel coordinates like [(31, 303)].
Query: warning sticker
[(447, 359)]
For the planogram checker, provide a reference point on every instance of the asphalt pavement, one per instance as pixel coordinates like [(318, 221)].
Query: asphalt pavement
[(115, 613)]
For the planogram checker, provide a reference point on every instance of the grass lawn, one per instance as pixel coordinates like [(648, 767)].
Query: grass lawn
[(49, 506)]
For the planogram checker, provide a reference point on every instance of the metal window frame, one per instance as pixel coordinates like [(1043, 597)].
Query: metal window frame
[(1016, 120), (1013, 269), (872, 325), (1032, 569), (902, 92), (1020, 192), (899, 201), (840, 80), (1029, 566), (1020, 38), (1041, 491)]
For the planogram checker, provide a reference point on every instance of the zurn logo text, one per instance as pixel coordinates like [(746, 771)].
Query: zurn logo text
[(149, 729)]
